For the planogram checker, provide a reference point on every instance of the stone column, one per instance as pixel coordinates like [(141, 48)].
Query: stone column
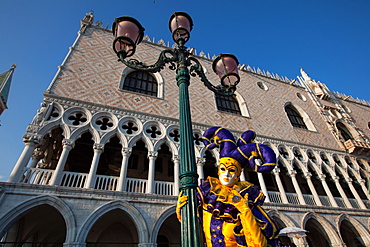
[(263, 186), (283, 197), (307, 176), (342, 193), (67, 146), (126, 152), (30, 143), (176, 174), (90, 182), (292, 175), (152, 155), (327, 190), (354, 192), (200, 171), (363, 187)]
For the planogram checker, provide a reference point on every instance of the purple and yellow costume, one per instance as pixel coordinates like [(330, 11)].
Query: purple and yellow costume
[(233, 216), (230, 211)]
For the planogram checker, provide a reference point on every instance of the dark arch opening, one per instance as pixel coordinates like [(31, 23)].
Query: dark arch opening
[(40, 226), (115, 228), (316, 235)]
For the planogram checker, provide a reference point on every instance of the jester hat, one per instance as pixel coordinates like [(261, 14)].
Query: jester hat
[(245, 151)]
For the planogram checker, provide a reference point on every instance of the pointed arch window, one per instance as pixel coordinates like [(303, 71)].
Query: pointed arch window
[(140, 82), (344, 132), (227, 104), (294, 117)]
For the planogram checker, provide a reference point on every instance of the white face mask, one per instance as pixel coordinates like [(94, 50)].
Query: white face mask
[(228, 175)]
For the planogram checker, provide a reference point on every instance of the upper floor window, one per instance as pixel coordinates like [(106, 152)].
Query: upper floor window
[(140, 82), (294, 117), (344, 132), (227, 104)]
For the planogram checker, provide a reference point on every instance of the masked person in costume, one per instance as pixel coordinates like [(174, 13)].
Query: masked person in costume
[(230, 210)]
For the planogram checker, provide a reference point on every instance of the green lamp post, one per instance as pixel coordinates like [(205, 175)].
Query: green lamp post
[(128, 33)]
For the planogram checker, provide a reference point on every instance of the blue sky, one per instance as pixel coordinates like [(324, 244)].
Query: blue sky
[(329, 39)]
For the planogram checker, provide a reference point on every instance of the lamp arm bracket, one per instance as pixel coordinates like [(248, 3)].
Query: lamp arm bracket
[(166, 56), (197, 69)]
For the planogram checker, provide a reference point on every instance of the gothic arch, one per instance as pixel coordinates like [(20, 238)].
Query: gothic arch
[(106, 138), (357, 226), (330, 232), (215, 154), (77, 133), (170, 144), (19, 210), (314, 166), (133, 213), (146, 140), (50, 126), (283, 217), (286, 164), (157, 225)]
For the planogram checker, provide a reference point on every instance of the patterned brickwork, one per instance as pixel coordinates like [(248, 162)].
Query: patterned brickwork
[(92, 74)]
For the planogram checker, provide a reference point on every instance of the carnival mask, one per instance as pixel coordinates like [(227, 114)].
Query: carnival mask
[(229, 171)]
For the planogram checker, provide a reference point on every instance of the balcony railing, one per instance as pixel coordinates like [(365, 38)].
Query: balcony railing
[(36, 176), (73, 179), (135, 185)]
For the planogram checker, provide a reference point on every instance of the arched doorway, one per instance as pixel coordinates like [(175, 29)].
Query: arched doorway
[(169, 234), (316, 235), (349, 235), (113, 229), (42, 226)]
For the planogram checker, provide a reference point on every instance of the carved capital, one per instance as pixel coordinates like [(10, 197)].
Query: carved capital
[(349, 180), (30, 139), (98, 147), (176, 159), (201, 161), (152, 154), (68, 143), (276, 171), (322, 177), (308, 175), (292, 173), (126, 151)]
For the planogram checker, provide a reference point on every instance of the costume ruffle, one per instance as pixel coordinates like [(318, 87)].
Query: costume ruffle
[(215, 199)]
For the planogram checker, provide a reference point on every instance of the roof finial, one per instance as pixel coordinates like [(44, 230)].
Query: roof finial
[(305, 75)]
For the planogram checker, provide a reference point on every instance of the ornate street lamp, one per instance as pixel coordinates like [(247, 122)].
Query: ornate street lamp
[(128, 33)]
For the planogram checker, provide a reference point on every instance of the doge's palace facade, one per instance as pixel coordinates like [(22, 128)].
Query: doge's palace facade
[(100, 164)]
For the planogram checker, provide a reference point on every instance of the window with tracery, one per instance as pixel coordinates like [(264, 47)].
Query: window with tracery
[(140, 82), (227, 104), (294, 117)]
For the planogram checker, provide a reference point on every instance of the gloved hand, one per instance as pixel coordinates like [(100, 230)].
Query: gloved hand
[(181, 201)]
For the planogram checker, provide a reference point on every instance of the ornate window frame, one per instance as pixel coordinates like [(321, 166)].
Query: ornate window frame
[(158, 77)]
